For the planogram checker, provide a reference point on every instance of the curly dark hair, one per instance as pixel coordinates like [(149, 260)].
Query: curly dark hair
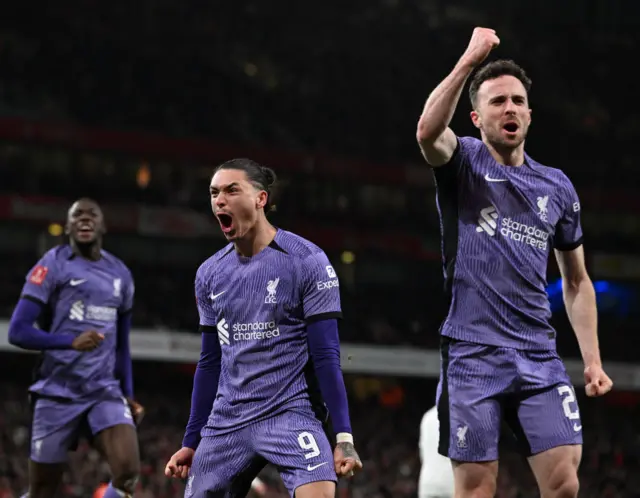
[(494, 70)]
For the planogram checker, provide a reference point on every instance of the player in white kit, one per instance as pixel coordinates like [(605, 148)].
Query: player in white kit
[(436, 475)]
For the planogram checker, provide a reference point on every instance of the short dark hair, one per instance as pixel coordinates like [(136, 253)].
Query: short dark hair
[(261, 177), (494, 70)]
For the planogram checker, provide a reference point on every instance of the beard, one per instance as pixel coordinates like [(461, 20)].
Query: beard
[(499, 140)]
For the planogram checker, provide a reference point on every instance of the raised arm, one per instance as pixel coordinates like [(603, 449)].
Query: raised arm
[(437, 141)]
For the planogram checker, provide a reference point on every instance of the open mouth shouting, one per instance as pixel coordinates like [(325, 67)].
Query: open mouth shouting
[(226, 222), (511, 128)]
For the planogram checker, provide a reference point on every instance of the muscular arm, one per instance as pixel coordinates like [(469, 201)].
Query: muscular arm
[(437, 141), (24, 335), (205, 387), (324, 347), (580, 303)]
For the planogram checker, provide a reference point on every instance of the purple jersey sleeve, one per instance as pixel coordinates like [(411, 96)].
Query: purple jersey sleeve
[(203, 301), (568, 234), (42, 279), (207, 376), (321, 288), (123, 367), (466, 148), (127, 294)]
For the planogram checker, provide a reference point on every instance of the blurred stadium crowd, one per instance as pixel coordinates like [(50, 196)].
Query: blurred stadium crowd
[(385, 413), (133, 105)]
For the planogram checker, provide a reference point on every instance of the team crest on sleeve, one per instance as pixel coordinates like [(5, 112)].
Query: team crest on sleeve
[(117, 287), (38, 275), (330, 271), (272, 286)]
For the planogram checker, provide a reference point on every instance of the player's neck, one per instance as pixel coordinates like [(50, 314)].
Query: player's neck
[(87, 251), (258, 238), (507, 156)]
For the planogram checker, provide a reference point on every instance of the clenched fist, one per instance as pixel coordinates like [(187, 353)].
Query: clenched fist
[(180, 463), (137, 410), (483, 41), (597, 382), (87, 341), (346, 460)]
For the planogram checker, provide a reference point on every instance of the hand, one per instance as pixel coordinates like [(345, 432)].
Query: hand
[(346, 460), (137, 410), (180, 463), (87, 341), (483, 41), (597, 382)]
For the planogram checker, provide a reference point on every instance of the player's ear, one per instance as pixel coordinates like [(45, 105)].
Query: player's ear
[(67, 228), (476, 119), (261, 200)]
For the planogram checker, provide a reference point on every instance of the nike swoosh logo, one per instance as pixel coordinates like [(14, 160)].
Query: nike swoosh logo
[(73, 283), (489, 179), (214, 296), (577, 427), (314, 467)]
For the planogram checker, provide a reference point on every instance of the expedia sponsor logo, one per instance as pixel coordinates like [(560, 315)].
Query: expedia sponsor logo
[(254, 331), (329, 284)]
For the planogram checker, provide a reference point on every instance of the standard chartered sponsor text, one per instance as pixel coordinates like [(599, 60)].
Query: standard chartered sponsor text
[(526, 234), (255, 331), (101, 313)]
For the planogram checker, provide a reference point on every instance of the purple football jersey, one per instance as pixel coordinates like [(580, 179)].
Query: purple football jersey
[(259, 308), (498, 226), (79, 295)]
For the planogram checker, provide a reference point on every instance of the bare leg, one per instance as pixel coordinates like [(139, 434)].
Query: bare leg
[(556, 471), (318, 489), (119, 444), (475, 479), (44, 479)]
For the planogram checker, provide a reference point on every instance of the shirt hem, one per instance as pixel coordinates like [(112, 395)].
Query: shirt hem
[(501, 341)]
